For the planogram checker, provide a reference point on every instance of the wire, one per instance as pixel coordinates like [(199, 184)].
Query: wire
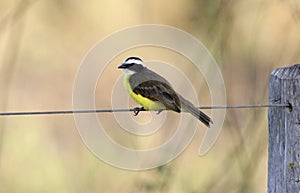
[(22, 113), (245, 106)]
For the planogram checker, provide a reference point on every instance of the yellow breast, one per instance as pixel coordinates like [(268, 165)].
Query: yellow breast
[(145, 102)]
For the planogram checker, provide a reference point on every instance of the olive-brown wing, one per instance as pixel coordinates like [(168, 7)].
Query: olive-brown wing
[(160, 92)]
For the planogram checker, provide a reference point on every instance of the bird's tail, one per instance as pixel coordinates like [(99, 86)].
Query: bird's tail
[(189, 107)]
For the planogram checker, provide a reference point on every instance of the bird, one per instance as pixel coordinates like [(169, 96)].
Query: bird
[(154, 92)]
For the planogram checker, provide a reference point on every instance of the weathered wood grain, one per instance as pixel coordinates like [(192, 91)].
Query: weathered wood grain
[(284, 131)]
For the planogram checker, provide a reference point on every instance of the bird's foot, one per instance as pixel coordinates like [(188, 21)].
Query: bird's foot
[(137, 110), (159, 111)]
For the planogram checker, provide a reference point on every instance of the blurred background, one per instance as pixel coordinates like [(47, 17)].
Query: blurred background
[(42, 43)]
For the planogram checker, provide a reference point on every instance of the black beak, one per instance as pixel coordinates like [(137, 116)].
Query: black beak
[(122, 66), (125, 65)]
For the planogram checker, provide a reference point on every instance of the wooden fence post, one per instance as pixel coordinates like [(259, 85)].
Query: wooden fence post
[(284, 131)]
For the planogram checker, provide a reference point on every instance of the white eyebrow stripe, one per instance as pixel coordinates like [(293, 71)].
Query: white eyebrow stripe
[(134, 61)]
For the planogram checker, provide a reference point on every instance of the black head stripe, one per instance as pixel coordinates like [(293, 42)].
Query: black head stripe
[(133, 58)]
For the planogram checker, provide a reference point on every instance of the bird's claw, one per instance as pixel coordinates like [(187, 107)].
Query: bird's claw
[(137, 110), (159, 111)]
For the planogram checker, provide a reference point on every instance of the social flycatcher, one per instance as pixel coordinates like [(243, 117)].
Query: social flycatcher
[(154, 92)]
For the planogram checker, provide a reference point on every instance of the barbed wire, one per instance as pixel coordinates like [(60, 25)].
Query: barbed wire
[(57, 112)]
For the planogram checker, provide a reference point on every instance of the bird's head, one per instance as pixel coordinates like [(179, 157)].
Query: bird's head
[(132, 65)]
